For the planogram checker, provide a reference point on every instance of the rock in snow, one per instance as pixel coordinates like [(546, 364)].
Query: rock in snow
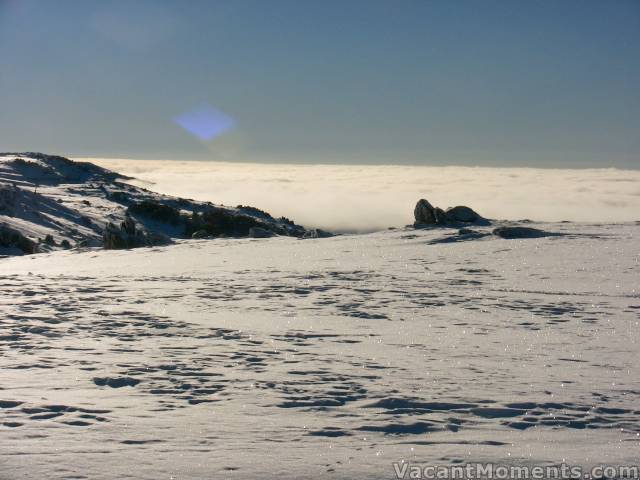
[(461, 214), (426, 214), (317, 233), (199, 234), (128, 235), (521, 232), (14, 242), (257, 232)]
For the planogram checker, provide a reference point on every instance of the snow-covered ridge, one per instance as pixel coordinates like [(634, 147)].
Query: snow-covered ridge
[(49, 202)]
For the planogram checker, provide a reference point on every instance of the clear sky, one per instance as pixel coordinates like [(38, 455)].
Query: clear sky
[(535, 83)]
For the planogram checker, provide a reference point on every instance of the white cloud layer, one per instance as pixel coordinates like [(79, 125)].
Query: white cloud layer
[(366, 198)]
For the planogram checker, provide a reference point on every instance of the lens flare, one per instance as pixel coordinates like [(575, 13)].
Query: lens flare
[(205, 123)]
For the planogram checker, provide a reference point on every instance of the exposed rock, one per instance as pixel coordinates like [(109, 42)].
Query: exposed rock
[(254, 211), (87, 242), (156, 211), (317, 233), (115, 239), (13, 239), (129, 236), (8, 199), (157, 238), (461, 214), (462, 235), (199, 234), (218, 221), (440, 216), (426, 215), (116, 382), (128, 226), (118, 196), (258, 232), (521, 232), (424, 212)]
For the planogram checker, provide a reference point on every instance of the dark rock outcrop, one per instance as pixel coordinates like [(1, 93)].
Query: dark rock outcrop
[(8, 199), (13, 239), (440, 216), (317, 233), (200, 234), (128, 235), (116, 382), (222, 222), (259, 232), (156, 211), (461, 214), (521, 232), (426, 214)]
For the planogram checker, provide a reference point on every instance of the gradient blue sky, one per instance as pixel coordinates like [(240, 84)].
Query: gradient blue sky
[(536, 83)]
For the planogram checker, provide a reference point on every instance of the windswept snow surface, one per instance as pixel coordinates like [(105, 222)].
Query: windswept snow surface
[(332, 358)]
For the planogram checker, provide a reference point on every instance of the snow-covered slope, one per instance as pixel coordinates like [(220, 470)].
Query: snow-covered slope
[(331, 359), (49, 202)]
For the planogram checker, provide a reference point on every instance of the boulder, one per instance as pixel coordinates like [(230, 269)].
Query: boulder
[(461, 214), (424, 212)]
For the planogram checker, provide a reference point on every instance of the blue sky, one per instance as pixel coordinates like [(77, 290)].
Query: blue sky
[(535, 83)]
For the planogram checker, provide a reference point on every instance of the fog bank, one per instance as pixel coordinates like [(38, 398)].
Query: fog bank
[(366, 198)]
